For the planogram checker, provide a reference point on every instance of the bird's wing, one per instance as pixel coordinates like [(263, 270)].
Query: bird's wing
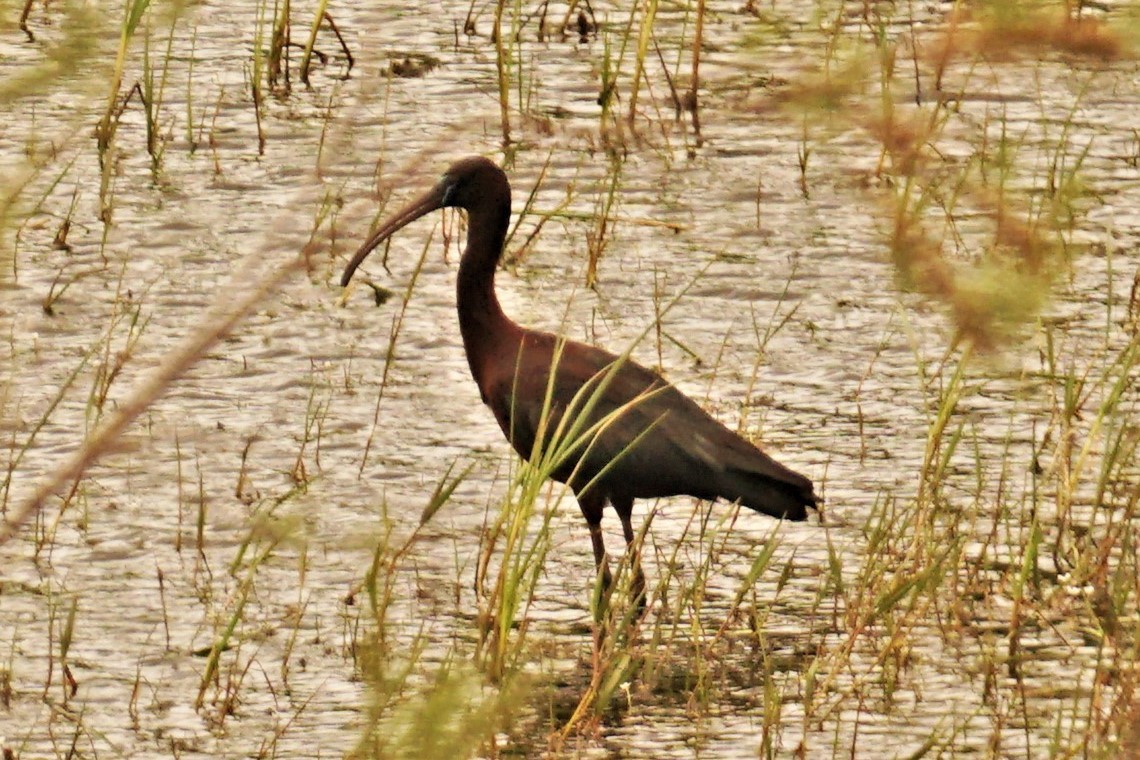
[(583, 383), (634, 427), (626, 403)]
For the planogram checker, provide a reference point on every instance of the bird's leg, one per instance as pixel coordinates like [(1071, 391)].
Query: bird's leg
[(591, 506), (600, 562), (624, 508)]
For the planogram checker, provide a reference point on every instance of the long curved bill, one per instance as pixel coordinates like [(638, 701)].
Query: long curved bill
[(425, 204)]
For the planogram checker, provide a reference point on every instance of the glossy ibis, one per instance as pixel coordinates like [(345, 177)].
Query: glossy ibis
[(660, 443)]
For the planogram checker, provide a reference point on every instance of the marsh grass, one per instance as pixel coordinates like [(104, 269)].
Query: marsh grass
[(418, 706), (192, 139), (152, 92), (390, 353), (116, 101), (928, 556), (1010, 274), (277, 54), (262, 69), (268, 532), (630, 50), (503, 67), (924, 563), (311, 40), (229, 311), (605, 211), (562, 435), (82, 27)]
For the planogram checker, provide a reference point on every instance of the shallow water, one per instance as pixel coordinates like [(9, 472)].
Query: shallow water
[(283, 409)]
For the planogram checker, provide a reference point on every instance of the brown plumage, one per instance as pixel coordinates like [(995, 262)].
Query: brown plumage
[(659, 443)]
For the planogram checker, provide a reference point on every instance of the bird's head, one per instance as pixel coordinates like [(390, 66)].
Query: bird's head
[(467, 184)]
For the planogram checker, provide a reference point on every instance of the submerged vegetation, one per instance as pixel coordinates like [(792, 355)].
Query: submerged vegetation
[(901, 239)]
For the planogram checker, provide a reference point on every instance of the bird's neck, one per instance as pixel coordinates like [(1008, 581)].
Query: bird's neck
[(485, 328)]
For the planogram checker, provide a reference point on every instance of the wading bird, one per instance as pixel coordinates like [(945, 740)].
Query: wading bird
[(646, 439)]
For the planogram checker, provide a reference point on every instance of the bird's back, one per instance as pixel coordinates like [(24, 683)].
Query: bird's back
[(652, 440)]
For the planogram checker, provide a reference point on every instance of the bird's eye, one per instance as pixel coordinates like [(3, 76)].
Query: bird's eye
[(450, 186)]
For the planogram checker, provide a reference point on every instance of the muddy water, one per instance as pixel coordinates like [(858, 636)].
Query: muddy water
[(282, 410)]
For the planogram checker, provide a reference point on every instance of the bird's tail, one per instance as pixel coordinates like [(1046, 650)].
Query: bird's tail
[(787, 496)]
